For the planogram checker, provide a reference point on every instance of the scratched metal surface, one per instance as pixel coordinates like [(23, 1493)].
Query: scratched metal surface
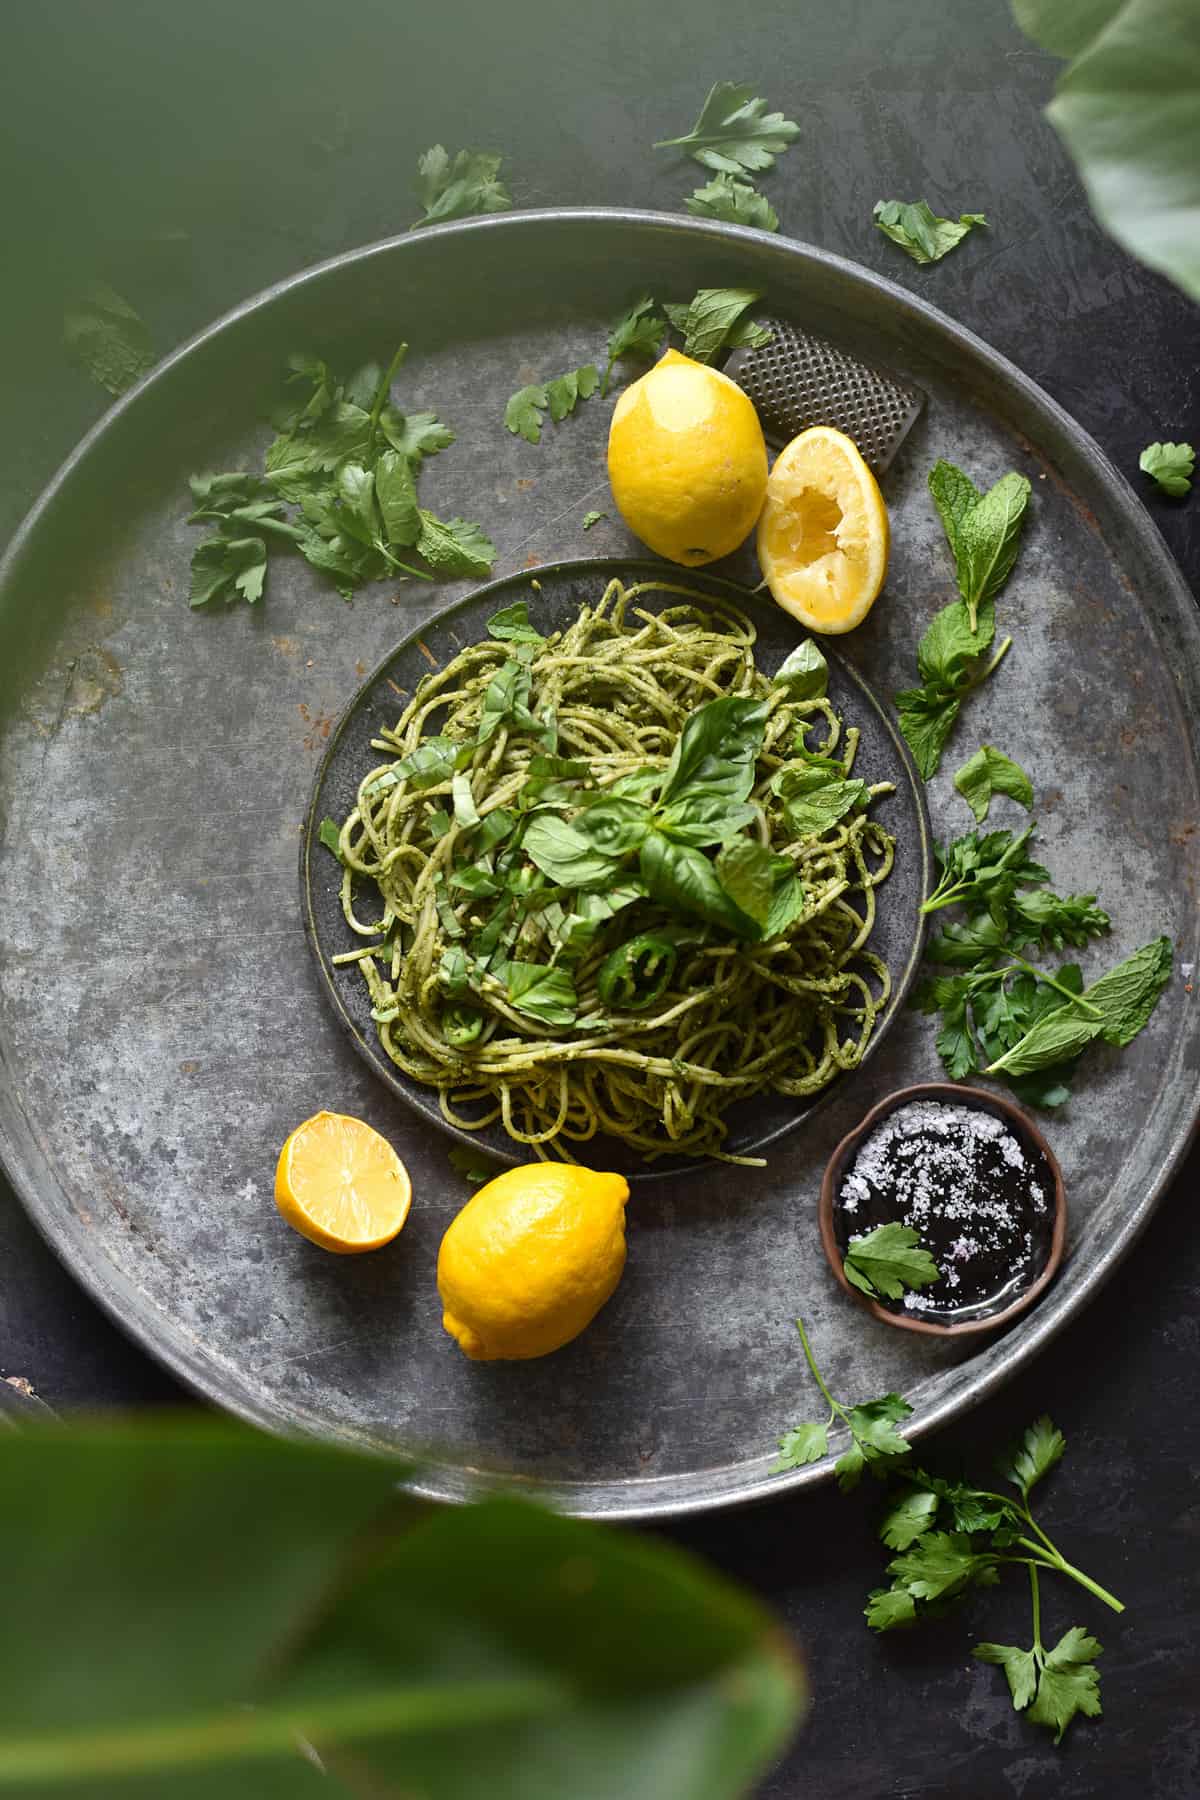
[(554, 594), (160, 1027)]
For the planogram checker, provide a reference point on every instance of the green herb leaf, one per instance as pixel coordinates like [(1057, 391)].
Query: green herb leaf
[(472, 1164), (704, 819), (1171, 465), (414, 435), (224, 567), (990, 772), (939, 1565), (735, 131), (890, 1608), (592, 518), (544, 992), (685, 880), (511, 623), (613, 826), (874, 1422), (954, 495), (107, 338), (908, 1518), (716, 751), (804, 673), (1069, 1683), (1052, 920), (713, 321), (736, 202), (639, 332), (988, 538), (329, 833), (812, 801), (927, 717), (753, 876), (1124, 999), (565, 854), (803, 1444), (527, 407), (1020, 1667), (456, 189), (453, 547), (920, 231), (888, 1260), (1041, 1447), (396, 492)]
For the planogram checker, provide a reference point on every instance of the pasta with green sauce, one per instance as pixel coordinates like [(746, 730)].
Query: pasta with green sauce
[(627, 879)]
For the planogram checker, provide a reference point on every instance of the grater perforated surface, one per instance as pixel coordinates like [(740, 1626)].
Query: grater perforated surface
[(796, 380)]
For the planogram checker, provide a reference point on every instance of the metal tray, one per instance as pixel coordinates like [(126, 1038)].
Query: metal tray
[(554, 595), (161, 1027)]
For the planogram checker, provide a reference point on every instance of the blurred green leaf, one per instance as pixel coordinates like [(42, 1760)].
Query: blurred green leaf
[(198, 1610)]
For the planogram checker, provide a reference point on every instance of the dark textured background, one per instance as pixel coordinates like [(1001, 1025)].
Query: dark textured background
[(190, 157)]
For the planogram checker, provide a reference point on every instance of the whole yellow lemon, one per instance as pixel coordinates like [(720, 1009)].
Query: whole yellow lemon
[(531, 1259), (687, 461)]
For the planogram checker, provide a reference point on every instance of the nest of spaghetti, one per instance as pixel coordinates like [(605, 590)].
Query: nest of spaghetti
[(624, 879)]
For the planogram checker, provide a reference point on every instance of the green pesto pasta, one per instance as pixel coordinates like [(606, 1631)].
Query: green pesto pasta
[(609, 905)]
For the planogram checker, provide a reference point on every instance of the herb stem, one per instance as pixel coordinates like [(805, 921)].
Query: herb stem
[(999, 657), (816, 1373), (382, 392), (1035, 1593), (1063, 1567), (1075, 999)]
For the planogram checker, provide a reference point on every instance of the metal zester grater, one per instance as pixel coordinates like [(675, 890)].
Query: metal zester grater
[(796, 380)]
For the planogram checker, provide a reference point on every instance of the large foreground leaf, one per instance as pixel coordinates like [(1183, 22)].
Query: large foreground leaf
[(1128, 110), (197, 1611)]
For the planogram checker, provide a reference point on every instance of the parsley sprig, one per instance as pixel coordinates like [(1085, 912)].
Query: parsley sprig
[(952, 1536), (735, 132), (919, 230)]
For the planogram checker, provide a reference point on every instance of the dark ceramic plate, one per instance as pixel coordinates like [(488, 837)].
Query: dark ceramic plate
[(562, 588)]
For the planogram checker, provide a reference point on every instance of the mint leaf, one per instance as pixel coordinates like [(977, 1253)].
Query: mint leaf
[(988, 538), (454, 547), (927, 717), (920, 231), (1171, 465), (713, 321), (1123, 999), (735, 202), (990, 772), (107, 338), (954, 495), (456, 189), (803, 1444), (813, 801), (735, 131), (888, 1260)]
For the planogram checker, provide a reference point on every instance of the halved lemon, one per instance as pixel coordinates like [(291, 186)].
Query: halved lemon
[(823, 533), (341, 1185)]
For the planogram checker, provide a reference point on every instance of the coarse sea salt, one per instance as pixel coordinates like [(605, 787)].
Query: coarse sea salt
[(978, 1198)]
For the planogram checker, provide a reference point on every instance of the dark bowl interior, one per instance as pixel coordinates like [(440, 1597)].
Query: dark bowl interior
[(561, 590), (1028, 1134)]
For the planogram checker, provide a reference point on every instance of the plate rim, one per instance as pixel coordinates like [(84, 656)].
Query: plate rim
[(200, 1368), (605, 568)]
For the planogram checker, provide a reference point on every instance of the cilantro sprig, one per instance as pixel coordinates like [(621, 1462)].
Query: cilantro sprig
[(455, 187), (951, 1537), (919, 230), (527, 408), (1172, 467), (888, 1260), (735, 202)]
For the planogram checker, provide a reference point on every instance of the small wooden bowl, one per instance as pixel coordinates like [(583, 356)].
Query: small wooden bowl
[(950, 1093)]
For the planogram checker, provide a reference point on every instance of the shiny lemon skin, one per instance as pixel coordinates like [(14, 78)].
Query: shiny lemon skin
[(687, 461), (530, 1260)]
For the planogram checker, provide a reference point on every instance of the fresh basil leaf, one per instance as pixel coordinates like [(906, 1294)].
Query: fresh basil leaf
[(506, 702), (475, 880), (512, 623), (465, 813), (543, 991), (803, 674), (686, 881), (990, 772), (717, 750), (639, 785), (705, 819), (565, 854), (433, 762), (753, 877), (614, 827), (330, 834), (612, 900)]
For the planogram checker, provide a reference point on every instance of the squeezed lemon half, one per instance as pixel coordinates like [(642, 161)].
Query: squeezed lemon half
[(823, 533), (341, 1185)]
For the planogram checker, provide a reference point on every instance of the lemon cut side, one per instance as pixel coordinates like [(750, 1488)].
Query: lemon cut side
[(823, 533)]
